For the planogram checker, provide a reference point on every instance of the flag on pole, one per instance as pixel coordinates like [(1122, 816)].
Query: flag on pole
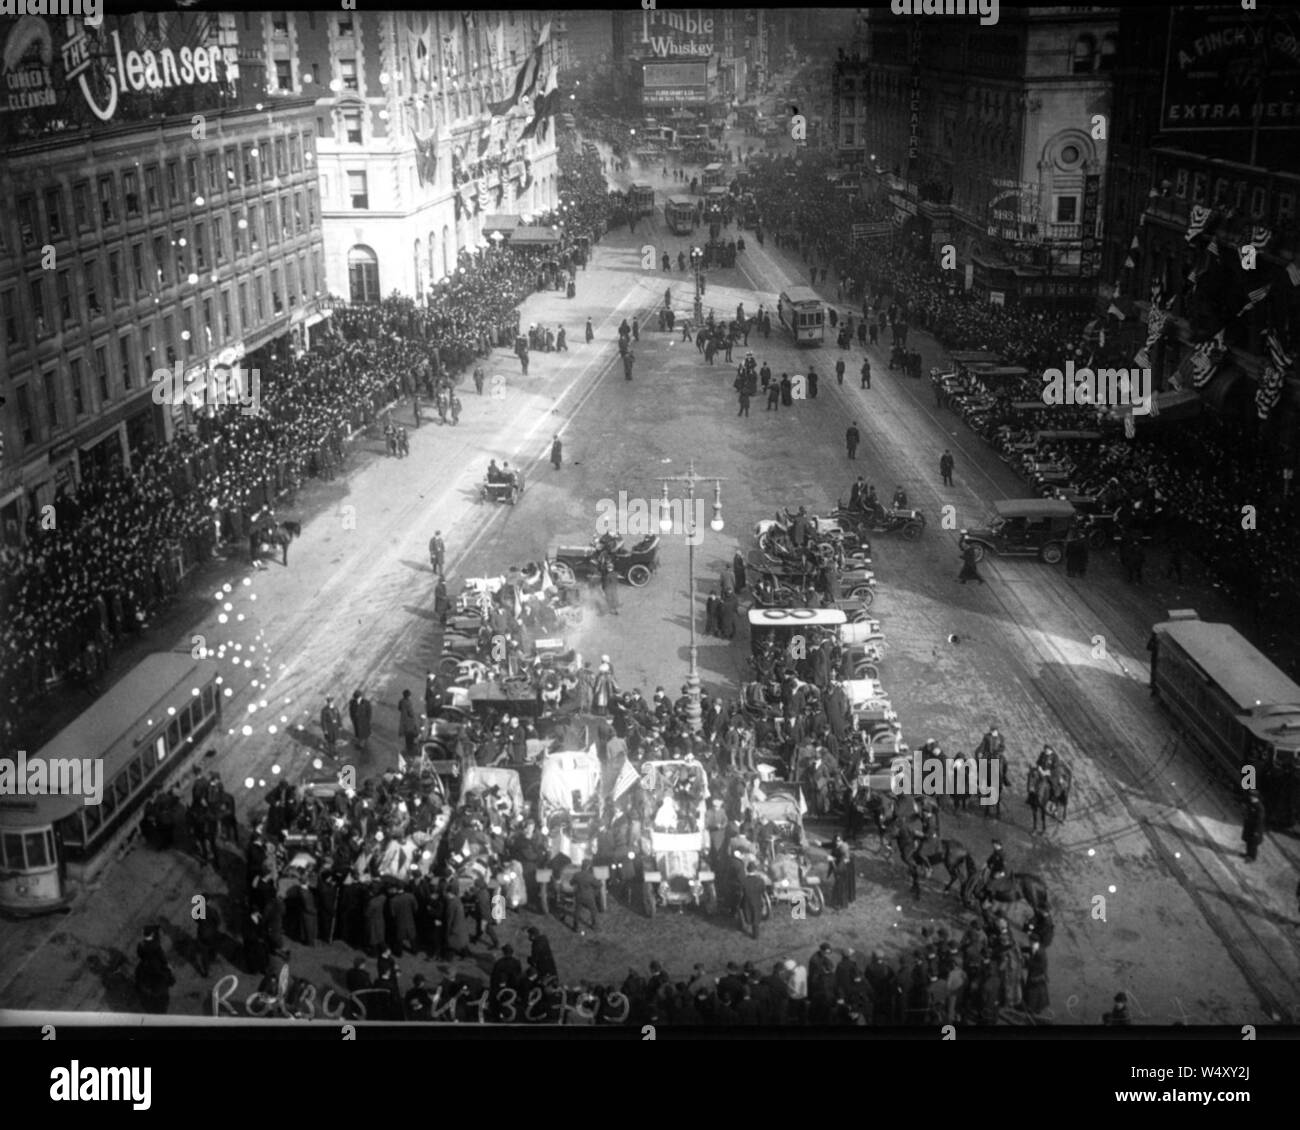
[(526, 79), (1277, 353), (1269, 391), (1205, 359), (543, 105), (1255, 297), (627, 777), (1130, 428)]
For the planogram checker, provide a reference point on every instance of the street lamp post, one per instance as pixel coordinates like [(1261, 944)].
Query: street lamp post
[(694, 710), (697, 257)]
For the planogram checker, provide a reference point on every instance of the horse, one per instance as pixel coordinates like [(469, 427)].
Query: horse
[(1004, 783), (922, 853), (1048, 794), (1013, 886), (882, 808), (271, 535)]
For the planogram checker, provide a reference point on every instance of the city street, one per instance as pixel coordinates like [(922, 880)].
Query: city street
[(1147, 882)]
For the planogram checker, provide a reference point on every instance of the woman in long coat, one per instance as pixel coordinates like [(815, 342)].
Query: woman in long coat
[(1035, 998), (845, 887), (455, 928)]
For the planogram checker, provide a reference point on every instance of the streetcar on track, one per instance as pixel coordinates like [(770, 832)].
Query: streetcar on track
[(800, 311), (1233, 705), (679, 214), (714, 176), (143, 732), (641, 199)]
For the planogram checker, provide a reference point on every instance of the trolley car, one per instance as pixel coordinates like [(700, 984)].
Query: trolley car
[(641, 199), (800, 311), (142, 732), (1232, 704), (714, 176), (679, 214)]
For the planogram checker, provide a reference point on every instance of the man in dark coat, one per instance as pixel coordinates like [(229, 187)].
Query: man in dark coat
[(455, 927), (968, 570), (821, 983), (1253, 826), (738, 571), (1036, 996), (711, 614), (787, 391), (586, 891), (153, 975), (207, 936), (507, 972), (330, 724), (376, 905), (540, 955), (557, 452), (728, 610), (360, 713), (752, 890), (774, 396), (419, 1001), (852, 437), (401, 918), (839, 371), (256, 948), (945, 467)]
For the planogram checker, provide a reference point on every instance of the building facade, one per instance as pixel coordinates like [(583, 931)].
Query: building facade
[(1197, 177), (989, 140), (409, 161), (184, 234)]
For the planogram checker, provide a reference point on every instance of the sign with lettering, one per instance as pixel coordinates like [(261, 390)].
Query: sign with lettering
[(1090, 251), (667, 32), (659, 75), (1227, 69)]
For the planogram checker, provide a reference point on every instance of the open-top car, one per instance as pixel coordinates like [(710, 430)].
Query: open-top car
[(634, 565), (505, 487)]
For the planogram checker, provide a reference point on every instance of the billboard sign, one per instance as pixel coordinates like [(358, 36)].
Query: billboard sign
[(655, 75), (1226, 69)]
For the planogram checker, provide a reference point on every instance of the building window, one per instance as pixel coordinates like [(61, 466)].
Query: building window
[(363, 274), (232, 168), (146, 350), (115, 276), (302, 275), (54, 212), (169, 336), (264, 158), (291, 283), (1109, 49), (81, 205), (78, 382), (151, 188), (160, 259), (281, 158), (1085, 53), (348, 72), (26, 421), (173, 183), (260, 298), (311, 206), (27, 221), (201, 246), (250, 168), (297, 213), (352, 126), (276, 303), (92, 288), (295, 153), (37, 290), (101, 372), (207, 322), (219, 239), (52, 412), (254, 228), (345, 25), (226, 329), (187, 329), (107, 206), (192, 177), (213, 163), (237, 234), (286, 223), (124, 355), (280, 25), (64, 288), (137, 267), (1199, 181), (243, 307), (357, 190), (9, 305), (283, 74), (272, 223)]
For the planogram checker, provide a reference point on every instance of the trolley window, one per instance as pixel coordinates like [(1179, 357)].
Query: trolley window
[(136, 771), (187, 721), (209, 700), (160, 749), (13, 851), (122, 786), (71, 829), (110, 803), (173, 738), (38, 853)]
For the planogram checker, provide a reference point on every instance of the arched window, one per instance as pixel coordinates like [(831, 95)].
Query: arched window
[(446, 248), (419, 269), (1085, 53), (363, 274), (433, 266)]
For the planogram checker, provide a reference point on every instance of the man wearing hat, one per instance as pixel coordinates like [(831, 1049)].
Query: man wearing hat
[(153, 975), (419, 1001), (753, 888), (1118, 1017), (997, 864), (330, 724), (540, 955), (821, 983), (1252, 828)]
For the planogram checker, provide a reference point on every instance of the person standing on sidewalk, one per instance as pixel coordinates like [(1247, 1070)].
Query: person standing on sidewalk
[(946, 466), (866, 373), (590, 332), (628, 358), (609, 585), (1252, 828), (478, 379), (968, 570), (330, 724), (407, 725), (437, 552), (852, 438), (557, 452)]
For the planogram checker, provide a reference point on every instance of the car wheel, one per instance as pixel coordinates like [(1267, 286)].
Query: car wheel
[(449, 665), (864, 593), (815, 902), (866, 671), (638, 575), (912, 531), (1052, 553), (563, 573), (977, 551)]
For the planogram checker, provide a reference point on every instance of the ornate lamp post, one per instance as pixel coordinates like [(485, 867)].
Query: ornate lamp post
[(694, 711)]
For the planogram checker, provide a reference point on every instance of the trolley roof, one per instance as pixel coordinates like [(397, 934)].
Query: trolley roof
[(716, 167), (798, 295), (682, 202), (1246, 675), (641, 186), (112, 727)]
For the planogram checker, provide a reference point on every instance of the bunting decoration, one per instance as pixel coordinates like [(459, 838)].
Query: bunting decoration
[(426, 156), (1255, 297), (1293, 273), (1276, 363), (544, 106), (526, 79), (1205, 359), (1199, 218), (1157, 319), (1130, 427), (1259, 236), (418, 46)]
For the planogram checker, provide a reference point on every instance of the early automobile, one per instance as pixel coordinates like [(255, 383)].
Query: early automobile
[(1024, 527), (635, 565), (506, 487)]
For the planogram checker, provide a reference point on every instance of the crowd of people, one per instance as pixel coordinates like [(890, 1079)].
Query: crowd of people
[(113, 550)]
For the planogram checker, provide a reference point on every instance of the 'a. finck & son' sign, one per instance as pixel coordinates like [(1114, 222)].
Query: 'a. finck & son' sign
[(138, 71)]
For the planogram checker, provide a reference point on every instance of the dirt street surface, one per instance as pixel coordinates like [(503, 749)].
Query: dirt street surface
[(1146, 877)]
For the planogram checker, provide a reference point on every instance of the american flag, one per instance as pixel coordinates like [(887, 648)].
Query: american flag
[(1130, 426), (1205, 359), (1255, 297), (1269, 391), (1277, 353), (1200, 217), (1260, 235)]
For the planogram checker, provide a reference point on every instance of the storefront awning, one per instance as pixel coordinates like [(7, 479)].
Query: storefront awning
[(534, 237), (501, 223)]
